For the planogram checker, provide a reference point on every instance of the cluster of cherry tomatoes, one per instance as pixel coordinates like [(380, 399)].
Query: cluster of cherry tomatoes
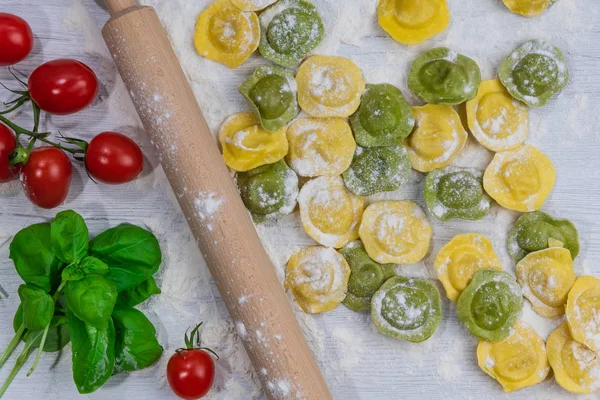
[(58, 87)]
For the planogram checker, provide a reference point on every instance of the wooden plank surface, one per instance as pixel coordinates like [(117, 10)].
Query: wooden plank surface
[(357, 362)]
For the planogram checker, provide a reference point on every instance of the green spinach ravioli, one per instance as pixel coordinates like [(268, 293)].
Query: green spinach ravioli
[(272, 94), (407, 309), (290, 29), (535, 231), (366, 276), (441, 76), (454, 192), (269, 191), (384, 118), (377, 169), (490, 305), (534, 72)]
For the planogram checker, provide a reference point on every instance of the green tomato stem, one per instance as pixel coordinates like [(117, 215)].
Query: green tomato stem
[(16, 127), (31, 144), (40, 350), (41, 137), (36, 116), (17, 104), (21, 360), (12, 345)]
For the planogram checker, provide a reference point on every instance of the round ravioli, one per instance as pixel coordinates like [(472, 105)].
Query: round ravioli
[(520, 179), (455, 192), (384, 118), (460, 258), (377, 169), (407, 309), (290, 29), (490, 305), (441, 76), (535, 72), (226, 34), (318, 278), (413, 21), (537, 230), (546, 277), (272, 93), (497, 120), (437, 139), (246, 145), (395, 232), (320, 146), (576, 368), (329, 86), (330, 214), (269, 191), (516, 362), (528, 8), (583, 311), (366, 276), (252, 5)]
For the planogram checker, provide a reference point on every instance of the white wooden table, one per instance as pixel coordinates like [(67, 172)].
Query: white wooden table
[(358, 363)]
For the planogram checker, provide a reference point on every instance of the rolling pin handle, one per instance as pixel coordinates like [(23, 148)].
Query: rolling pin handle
[(115, 7)]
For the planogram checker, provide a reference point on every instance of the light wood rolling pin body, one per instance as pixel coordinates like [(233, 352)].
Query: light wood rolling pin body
[(243, 272)]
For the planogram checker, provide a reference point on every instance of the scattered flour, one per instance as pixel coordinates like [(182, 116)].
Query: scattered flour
[(207, 206)]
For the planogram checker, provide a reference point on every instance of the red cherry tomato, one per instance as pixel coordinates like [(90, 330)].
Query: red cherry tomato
[(16, 39), (46, 177), (191, 373), (113, 158), (63, 86), (7, 145)]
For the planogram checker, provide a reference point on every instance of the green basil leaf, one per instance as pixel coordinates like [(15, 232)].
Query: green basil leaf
[(132, 253), (87, 266), (91, 265), (93, 354), (69, 236), (37, 306), (138, 294), (72, 273), (35, 262), (136, 346), (58, 334), (92, 299)]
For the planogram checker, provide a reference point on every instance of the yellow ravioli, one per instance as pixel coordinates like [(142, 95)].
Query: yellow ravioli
[(576, 368), (246, 145), (460, 258), (226, 34), (320, 146), (252, 5), (330, 214), (329, 86), (437, 139), (546, 277), (413, 21), (497, 120), (395, 232), (583, 311), (520, 179), (318, 278), (515, 362), (528, 8)]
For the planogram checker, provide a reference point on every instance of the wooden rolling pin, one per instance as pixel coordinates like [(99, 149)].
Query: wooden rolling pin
[(188, 152)]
